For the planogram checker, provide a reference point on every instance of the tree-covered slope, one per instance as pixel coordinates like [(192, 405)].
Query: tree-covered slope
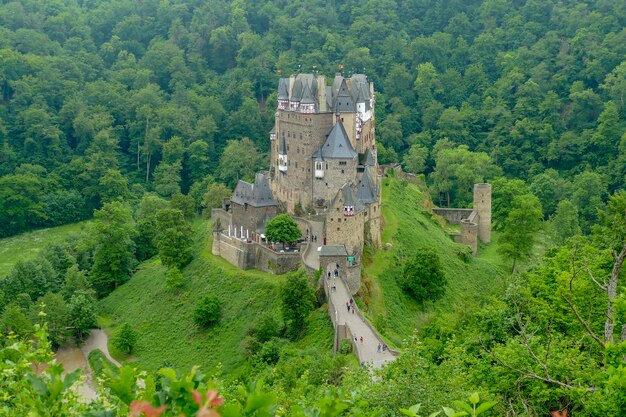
[(27, 245), (409, 225)]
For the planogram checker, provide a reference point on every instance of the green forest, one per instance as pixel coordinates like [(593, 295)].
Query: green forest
[(123, 123)]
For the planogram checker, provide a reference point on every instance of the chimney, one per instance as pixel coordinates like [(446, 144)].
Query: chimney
[(292, 81), (321, 93)]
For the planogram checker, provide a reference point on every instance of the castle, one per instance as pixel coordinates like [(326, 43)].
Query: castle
[(323, 171)]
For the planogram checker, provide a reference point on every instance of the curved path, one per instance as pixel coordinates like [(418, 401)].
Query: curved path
[(356, 324), (367, 351), (311, 257), (72, 358)]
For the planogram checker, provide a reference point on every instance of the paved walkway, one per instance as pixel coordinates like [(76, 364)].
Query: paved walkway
[(368, 350), (312, 256)]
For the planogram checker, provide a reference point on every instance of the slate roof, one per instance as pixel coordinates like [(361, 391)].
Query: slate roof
[(307, 97), (337, 145), (366, 191), (345, 93), (366, 158), (283, 89), (333, 250), (258, 194), (349, 198), (344, 101), (301, 83)]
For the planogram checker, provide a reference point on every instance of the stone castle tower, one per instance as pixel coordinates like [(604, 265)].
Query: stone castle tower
[(323, 155), (482, 205)]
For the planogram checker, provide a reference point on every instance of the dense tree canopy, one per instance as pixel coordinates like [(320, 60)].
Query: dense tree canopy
[(140, 114)]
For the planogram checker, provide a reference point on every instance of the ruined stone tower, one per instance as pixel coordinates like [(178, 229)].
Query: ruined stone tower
[(482, 205)]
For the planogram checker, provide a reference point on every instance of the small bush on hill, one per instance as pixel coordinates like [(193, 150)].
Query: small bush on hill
[(174, 278), (345, 347), (125, 338), (208, 311)]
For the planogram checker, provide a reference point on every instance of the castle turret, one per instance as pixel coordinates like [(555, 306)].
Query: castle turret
[(283, 93), (482, 205)]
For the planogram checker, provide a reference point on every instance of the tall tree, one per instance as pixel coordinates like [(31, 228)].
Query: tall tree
[(174, 238), (239, 161), (296, 301), (114, 256), (564, 223), (520, 229)]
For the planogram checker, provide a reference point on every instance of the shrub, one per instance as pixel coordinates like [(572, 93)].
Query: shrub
[(208, 311), (423, 276), (174, 278), (345, 347), (269, 353), (125, 338)]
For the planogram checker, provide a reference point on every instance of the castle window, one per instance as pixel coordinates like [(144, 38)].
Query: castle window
[(342, 171), (339, 228), (343, 163)]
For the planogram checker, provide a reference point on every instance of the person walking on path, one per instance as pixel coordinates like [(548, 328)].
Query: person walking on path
[(361, 339), (379, 349)]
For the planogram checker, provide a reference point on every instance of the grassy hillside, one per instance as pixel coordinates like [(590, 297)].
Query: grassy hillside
[(408, 224), (27, 245), (164, 318)]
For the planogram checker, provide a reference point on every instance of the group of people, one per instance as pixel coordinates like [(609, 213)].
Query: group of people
[(313, 238), (350, 305)]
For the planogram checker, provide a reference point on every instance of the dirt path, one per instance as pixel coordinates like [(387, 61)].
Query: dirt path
[(98, 339), (72, 358)]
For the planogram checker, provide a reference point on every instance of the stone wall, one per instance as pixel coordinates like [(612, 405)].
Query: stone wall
[(335, 176), (272, 262), (353, 278), (235, 251), (346, 230), (250, 217), (469, 232), (453, 215), (251, 255), (223, 216)]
